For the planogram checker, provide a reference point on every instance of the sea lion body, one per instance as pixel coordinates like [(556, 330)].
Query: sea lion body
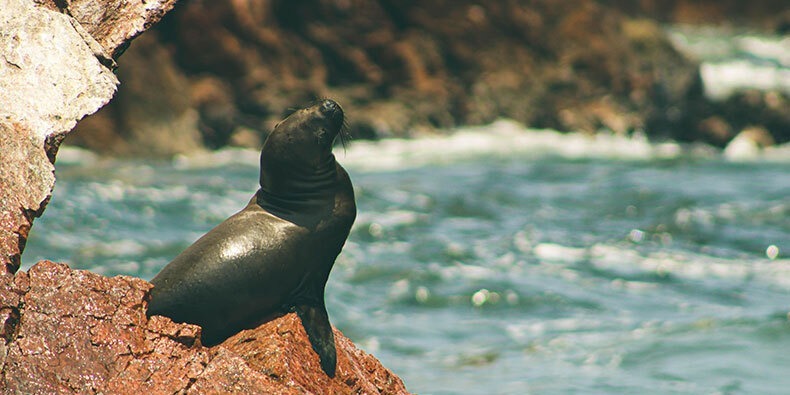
[(275, 255)]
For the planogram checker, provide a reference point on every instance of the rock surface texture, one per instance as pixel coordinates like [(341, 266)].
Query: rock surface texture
[(66, 331), (400, 68), (55, 67)]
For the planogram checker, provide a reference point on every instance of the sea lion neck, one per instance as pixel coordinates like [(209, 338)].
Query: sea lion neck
[(298, 170), (308, 191)]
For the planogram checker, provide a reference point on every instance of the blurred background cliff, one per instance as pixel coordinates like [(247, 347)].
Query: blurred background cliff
[(222, 72)]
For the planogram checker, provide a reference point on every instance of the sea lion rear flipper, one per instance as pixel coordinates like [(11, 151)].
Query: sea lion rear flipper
[(316, 323)]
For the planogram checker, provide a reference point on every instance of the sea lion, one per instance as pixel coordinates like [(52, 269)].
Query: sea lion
[(274, 256)]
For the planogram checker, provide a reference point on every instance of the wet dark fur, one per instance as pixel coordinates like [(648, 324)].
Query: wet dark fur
[(275, 255)]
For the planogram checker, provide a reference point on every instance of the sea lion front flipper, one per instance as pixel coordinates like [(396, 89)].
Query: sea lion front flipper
[(316, 323)]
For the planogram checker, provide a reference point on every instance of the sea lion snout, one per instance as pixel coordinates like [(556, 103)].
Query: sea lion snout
[(332, 111), (329, 107)]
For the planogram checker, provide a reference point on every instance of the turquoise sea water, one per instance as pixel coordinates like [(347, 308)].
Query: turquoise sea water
[(497, 269)]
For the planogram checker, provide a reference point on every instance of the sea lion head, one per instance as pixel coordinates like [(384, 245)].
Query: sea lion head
[(297, 163), (304, 138)]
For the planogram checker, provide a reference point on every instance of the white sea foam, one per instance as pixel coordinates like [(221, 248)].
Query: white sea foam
[(687, 265), (725, 78), (503, 138), (776, 49), (219, 158), (551, 252), (68, 155), (744, 149), (524, 332), (377, 225), (468, 272)]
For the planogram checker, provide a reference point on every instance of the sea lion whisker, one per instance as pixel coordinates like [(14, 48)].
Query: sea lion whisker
[(344, 135)]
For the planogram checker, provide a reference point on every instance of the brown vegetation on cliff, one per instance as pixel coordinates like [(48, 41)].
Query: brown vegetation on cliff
[(400, 67)]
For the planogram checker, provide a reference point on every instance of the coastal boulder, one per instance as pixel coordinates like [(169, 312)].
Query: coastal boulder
[(69, 331)]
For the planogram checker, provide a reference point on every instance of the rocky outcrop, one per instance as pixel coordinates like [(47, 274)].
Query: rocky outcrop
[(718, 122), (765, 14), (157, 117), (405, 67), (66, 331), (56, 61)]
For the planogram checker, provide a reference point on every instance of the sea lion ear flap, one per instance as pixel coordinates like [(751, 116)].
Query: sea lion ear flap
[(316, 323)]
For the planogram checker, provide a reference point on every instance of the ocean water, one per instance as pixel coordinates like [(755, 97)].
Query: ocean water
[(500, 260)]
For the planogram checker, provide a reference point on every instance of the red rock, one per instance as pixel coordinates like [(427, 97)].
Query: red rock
[(72, 331), (282, 350)]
